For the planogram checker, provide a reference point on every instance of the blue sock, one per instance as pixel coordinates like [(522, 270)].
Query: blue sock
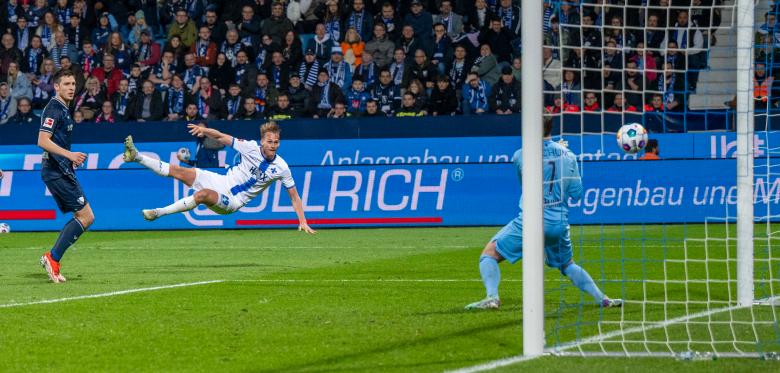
[(69, 234), (581, 279), (491, 275)]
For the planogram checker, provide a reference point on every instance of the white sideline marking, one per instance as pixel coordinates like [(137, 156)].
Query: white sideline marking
[(370, 280), (110, 294), (597, 338)]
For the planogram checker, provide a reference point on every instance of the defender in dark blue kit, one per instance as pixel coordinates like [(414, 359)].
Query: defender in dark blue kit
[(58, 171)]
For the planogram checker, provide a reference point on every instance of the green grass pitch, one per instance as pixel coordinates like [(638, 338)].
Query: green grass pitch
[(360, 300)]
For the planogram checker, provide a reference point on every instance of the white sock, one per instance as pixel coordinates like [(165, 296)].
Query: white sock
[(159, 167), (184, 204)]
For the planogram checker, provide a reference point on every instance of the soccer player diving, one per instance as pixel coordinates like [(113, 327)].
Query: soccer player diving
[(561, 182), (258, 168)]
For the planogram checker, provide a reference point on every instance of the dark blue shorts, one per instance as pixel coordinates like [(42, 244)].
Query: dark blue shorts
[(67, 193)]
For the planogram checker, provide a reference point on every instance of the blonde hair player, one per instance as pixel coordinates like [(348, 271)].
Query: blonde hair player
[(260, 167)]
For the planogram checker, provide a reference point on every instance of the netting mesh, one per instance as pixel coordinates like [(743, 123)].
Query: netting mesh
[(671, 68)]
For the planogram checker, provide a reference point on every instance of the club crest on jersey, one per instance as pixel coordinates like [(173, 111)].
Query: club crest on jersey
[(80, 200), (48, 122)]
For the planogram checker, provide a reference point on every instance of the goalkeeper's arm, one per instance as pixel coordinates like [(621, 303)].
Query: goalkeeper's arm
[(220, 137)]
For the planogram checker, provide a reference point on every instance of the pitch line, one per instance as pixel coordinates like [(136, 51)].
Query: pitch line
[(598, 338), (110, 294)]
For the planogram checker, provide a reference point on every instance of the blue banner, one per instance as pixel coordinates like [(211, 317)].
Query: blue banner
[(392, 195), (499, 149)]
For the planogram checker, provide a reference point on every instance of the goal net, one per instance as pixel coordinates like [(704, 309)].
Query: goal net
[(691, 256)]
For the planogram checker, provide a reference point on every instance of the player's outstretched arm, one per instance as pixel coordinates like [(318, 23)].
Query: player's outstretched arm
[(298, 207), (199, 131), (45, 143)]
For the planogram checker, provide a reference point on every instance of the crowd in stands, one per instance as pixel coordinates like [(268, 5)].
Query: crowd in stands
[(154, 60)]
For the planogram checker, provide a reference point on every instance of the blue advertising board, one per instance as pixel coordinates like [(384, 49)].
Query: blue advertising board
[(439, 194)]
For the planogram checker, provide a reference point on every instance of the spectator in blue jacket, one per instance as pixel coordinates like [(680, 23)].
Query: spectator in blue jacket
[(475, 95), (357, 97), (420, 20)]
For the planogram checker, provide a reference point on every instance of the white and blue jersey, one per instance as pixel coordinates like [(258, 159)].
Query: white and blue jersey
[(245, 180), (561, 182)]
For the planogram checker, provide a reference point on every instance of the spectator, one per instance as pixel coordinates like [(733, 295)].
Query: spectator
[(178, 49), (479, 16), (651, 151), (90, 99), (250, 25), (475, 95), (42, 85), (48, 28), (75, 32), (390, 21), (17, 82), (357, 97), (409, 42), (191, 113), (176, 99), (338, 70), (486, 65), (556, 107), (409, 107), (108, 76), (386, 93), (233, 102), (122, 53), (517, 68), (309, 69), (147, 52), (135, 80), (277, 25), (442, 48), (22, 34), (360, 20), (591, 35), (88, 59), (121, 100), (591, 102), (192, 73), (206, 152), (339, 111), (33, 57), (204, 49), (106, 113), (100, 34), (372, 109), (419, 19), (221, 74), (263, 93), (451, 21), (231, 46), (8, 53), (208, 100), (7, 103), (762, 86), (321, 44), (458, 69), (246, 73), (278, 71), (506, 96), (444, 101), (645, 62), (24, 114), (399, 69), (282, 109), (656, 104), (417, 89), (620, 105), (368, 71), (381, 47), (510, 17), (673, 89), (353, 47), (249, 110), (634, 84), (62, 11), (297, 94), (570, 88), (78, 118), (184, 28), (655, 35), (499, 39), (132, 32), (422, 70), (332, 20), (612, 56), (324, 95), (292, 50), (217, 30)]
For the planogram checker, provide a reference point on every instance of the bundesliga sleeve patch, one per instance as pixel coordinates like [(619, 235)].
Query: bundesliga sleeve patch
[(48, 122)]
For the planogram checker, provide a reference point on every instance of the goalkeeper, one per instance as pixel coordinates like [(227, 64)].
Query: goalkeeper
[(206, 152), (561, 182)]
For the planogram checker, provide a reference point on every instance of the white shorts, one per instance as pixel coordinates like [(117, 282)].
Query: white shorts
[(227, 203)]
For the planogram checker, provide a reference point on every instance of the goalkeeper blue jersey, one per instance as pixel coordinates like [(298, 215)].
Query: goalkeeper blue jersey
[(561, 181)]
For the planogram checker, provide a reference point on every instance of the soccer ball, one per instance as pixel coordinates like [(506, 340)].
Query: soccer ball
[(632, 138), (183, 154), (5, 228)]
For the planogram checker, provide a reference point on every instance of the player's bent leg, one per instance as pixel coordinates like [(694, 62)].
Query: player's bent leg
[(207, 197), (186, 175), (491, 276), (582, 280)]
